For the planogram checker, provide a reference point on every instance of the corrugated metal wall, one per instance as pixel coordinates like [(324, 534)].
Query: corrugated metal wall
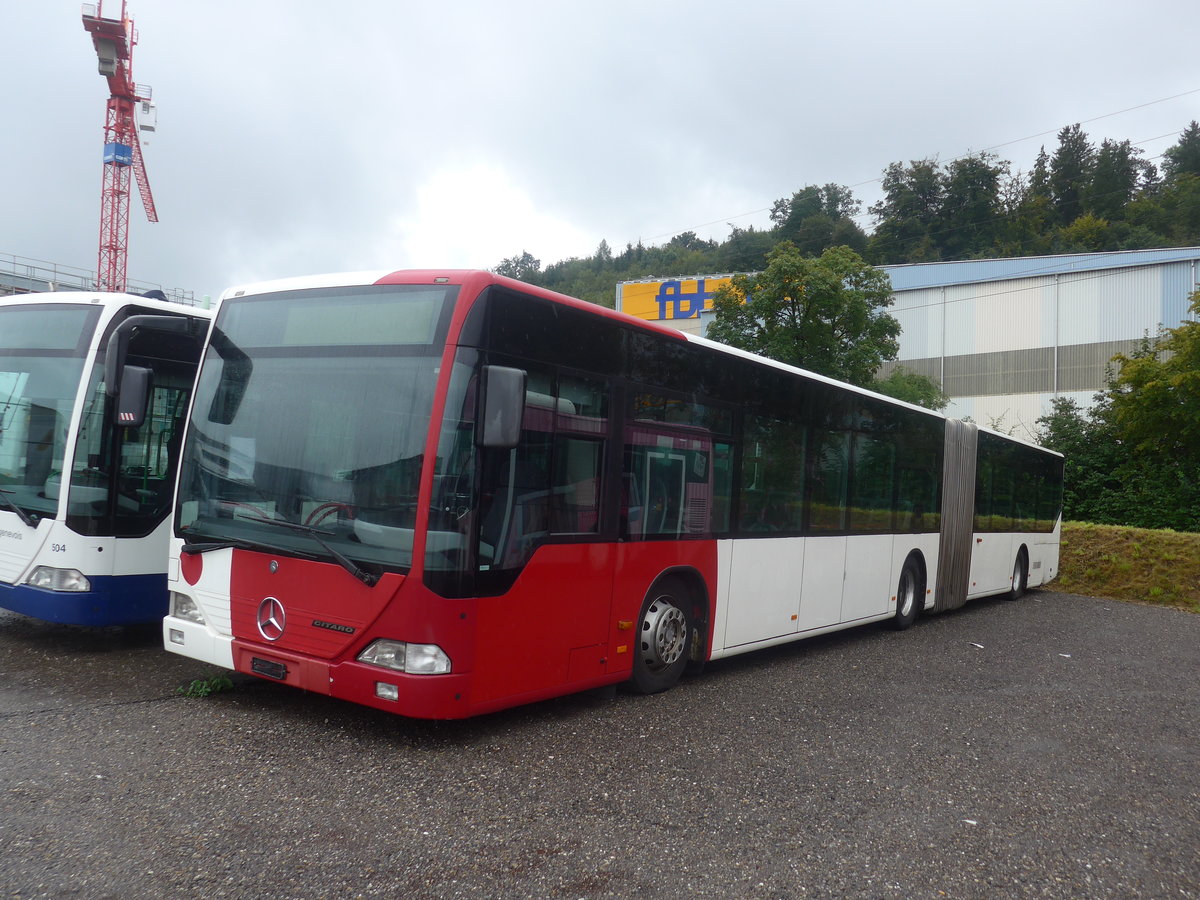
[(1002, 349)]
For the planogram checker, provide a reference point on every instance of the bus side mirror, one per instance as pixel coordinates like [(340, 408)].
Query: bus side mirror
[(502, 407), (236, 368), (134, 397)]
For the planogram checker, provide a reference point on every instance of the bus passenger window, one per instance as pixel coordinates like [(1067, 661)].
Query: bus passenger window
[(550, 483), (772, 497), (575, 492), (873, 483), (829, 481)]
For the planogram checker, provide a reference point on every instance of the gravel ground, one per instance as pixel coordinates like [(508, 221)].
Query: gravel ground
[(1045, 748)]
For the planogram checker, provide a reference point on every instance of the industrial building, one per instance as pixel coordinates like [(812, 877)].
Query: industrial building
[(1002, 336)]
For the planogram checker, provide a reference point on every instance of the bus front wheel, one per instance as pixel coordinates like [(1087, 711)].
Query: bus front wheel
[(663, 640)]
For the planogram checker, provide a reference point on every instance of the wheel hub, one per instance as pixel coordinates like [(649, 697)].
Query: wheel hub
[(664, 634), (908, 594)]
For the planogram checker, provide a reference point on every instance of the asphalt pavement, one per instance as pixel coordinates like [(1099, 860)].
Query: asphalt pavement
[(1042, 748)]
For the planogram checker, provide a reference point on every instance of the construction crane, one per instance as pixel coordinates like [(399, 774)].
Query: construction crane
[(114, 40)]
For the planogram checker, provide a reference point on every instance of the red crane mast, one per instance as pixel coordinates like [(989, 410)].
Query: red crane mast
[(114, 40)]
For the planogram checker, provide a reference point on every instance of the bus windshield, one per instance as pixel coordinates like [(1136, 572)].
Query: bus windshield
[(42, 353), (312, 410)]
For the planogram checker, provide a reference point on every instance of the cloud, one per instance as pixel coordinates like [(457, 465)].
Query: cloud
[(473, 215)]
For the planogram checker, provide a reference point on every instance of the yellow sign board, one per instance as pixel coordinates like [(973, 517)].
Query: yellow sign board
[(672, 298)]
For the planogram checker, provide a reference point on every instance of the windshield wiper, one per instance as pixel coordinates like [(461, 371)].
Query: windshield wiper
[(207, 546), (9, 504), (190, 546), (346, 563)]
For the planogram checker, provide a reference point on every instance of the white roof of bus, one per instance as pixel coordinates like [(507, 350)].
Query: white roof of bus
[(301, 282), (103, 298)]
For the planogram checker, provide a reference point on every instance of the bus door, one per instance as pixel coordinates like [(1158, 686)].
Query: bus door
[(995, 490), (670, 463), (542, 570), (125, 476)]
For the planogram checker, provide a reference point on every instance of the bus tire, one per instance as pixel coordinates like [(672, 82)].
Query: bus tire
[(664, 638), (1020, 576), (908, 596)]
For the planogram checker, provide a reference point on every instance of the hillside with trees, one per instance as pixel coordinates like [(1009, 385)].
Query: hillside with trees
[(1079, 196)]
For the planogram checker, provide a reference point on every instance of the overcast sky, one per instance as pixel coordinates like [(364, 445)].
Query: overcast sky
[(298, 136)]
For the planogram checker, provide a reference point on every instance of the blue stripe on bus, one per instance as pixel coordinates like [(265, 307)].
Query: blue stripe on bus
[(113, 600)]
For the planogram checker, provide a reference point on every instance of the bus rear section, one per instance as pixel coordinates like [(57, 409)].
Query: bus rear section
[(441, 494), (83, 498)]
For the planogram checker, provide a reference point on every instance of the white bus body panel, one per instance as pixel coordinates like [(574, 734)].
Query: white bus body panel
[(784, 589), (992, 558), (145, 555), (824, 580), (211, 642), (1043, 555), (765, 575), (869, 577), (19, 545)]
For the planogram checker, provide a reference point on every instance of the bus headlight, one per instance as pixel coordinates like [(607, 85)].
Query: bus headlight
[(184, 607), (412, 659), (59, 579)]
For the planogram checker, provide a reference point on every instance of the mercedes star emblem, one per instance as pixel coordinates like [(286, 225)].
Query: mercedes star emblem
[(271, 619)]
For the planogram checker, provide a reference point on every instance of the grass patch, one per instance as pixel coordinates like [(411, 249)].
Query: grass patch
[(1138, 564), (202, 687)]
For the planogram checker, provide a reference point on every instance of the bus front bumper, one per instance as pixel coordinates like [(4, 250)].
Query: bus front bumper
[(192, 639), (417, 696), (113, 600)]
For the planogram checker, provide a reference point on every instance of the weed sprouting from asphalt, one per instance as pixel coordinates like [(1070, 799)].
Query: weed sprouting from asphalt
[(202, 687)]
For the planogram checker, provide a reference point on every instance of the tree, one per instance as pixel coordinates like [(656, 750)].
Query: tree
[(1092, 458), (745, 250), (1117, 174), (1184, 157), (1155, 396), (816, 218), (1070, 173), (908, 213), (912, 387), (1087, 234), (825, 314), (970, 211), (525, 267), (1134, 458), (1039, 178)]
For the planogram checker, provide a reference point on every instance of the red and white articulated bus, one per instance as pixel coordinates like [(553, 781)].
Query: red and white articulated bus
[(442, 493)]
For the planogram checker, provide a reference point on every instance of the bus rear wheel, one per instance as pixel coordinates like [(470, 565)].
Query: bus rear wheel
[(908, 596), (1020, 577), (664, 638)]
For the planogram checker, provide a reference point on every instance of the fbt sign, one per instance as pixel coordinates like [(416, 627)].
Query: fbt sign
[(669, 299)]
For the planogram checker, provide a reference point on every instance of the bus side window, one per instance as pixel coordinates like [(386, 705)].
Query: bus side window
[(580, 425), (575, 494), (550, 482), (772, 496), (829, 481)]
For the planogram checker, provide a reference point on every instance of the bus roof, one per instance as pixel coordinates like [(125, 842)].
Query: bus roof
[(476, 279), (103, 298)]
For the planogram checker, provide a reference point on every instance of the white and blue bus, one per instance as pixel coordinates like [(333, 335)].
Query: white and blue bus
[(94, 389)]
